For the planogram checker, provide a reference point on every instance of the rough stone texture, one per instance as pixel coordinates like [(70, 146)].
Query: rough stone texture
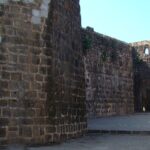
[(141, 75), (44, 65), (109, 75), (42, 90), (66, 77)]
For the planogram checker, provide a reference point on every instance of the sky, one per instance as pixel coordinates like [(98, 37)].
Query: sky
[(127, 20)]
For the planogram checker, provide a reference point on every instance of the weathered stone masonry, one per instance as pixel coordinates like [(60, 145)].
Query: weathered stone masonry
[(53, 74), (141, 57), (42, 88), (109, 75)]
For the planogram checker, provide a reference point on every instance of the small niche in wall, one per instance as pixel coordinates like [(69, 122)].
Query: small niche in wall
[(146, 51)]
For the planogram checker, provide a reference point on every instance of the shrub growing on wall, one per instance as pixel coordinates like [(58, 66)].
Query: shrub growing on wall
[(87, 43), (137, 59), (114, 55), (104, 56)]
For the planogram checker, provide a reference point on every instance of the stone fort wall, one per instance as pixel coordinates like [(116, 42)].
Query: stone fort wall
[(42, 88), (53, 74), (108, 74), (141, 57)]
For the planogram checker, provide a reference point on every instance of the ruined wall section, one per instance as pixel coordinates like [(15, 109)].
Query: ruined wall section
[(141, 57), (143, 49), (41, 71), (109, 75)]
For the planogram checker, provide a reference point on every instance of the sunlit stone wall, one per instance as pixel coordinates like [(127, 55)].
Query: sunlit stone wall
[(42, 90)]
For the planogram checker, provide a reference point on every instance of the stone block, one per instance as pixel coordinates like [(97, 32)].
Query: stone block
[(2, 132), (25, 131), (4, 121)]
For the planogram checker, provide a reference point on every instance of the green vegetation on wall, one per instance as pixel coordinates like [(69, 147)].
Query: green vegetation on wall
[(87, 43), (104, 56), (114, 55), (137, 59)]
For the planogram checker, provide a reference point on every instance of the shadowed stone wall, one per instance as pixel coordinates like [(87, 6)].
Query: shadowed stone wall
[(109, 75), (42, 92), (141, 55)]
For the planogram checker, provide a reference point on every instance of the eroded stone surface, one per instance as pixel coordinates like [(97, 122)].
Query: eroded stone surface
[(43, 71), (42, 92), (109, 76), (141, 75)]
